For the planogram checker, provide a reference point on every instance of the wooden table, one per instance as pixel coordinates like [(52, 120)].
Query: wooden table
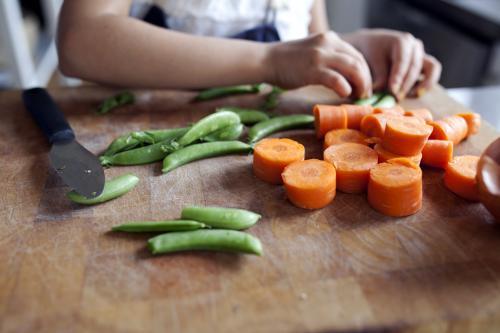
[(344, 268)]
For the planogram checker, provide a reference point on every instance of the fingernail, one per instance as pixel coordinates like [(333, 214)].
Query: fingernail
[(401, 96), (421, 92)]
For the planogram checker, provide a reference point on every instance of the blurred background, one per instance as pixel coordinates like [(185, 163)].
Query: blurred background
[(463, 34)]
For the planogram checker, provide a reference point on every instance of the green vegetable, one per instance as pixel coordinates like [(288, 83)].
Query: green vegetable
[(387, 101), (247, 116), (203, 150), (113, 188), (212, 240), (220, 217), (153, 226), (123, 98), (267, 127), (370, 100), (230, 90), (228, 133), (207, 125), (142, 155), (272, 99)]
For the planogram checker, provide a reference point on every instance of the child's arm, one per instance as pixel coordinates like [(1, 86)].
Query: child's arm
[(319, 18), (97, 41)]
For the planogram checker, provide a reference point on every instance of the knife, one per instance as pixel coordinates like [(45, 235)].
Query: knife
[(78, 168)]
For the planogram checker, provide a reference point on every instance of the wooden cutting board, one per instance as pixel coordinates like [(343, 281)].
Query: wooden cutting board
[(344, 268)]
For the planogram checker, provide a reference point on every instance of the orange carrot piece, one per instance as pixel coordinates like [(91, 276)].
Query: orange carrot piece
[(353, 162), (473, 121), (343, 135), (384, 155), (328, 117), (453, 128), (373, 125), (310, 184), (405, 136), (395, 110), (424, 114), (355, 113), (437, 153), (395, 187), (460, 177), (271, 156)]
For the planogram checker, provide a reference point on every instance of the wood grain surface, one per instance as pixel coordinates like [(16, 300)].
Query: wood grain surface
[(344, 268)]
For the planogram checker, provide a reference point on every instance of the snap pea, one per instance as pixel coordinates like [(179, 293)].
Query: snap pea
[(272, 99), (247, 116), (207, 125), (212, 240), (113, 188), (230, 90), (370, 100), (220, 217), (120, 99), (138, 156), (267, 127), (228, 133), (387, 101), (153, 226), (203, 150)]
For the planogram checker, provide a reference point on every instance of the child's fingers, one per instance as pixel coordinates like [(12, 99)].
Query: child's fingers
[(400, 61), (362, 67), (431, 71), (414, 70), (335, 81), (380, 73), (353, 70)]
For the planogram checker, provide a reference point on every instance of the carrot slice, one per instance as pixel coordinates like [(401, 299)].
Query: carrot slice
[(473, 121), (424, 114), (353, 162), (328, 117), (395, 187), (271, 156), (395, 110), (453, 128), (373, 125), (437, 153), (334, 137), (460, 177), (405, 136), (384, 155), (355, 113), (310, 184)]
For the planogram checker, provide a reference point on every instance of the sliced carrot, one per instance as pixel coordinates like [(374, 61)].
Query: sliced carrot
[(395, 187), (437, 153), (353, 162), (384, 155), (473, 121), (424, 114), (328, 117), (343, 135), (453, 128), (405, 136), (310, 184), (271, 156), (395, 110), (355, 113), (460, 177), (373, 125)]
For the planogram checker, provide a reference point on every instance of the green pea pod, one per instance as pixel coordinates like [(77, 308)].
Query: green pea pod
[(228, 133), (211, 240), (272, 99), (123, 98), (247, 116), (113, 188), (153, 226), (230, 90), (387, 101), (203, 150), (276, 124), (207, 125), (220, 217), (370, 100), (138, 156), (143, 137)]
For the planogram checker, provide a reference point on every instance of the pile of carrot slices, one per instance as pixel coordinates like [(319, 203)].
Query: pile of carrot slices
[(372, 150)]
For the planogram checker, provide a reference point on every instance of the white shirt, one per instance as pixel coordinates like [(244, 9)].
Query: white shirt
[(225, 18)]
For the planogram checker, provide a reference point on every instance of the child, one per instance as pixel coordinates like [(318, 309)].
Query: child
[(99, 41)]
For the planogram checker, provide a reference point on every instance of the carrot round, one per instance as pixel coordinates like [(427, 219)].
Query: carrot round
[(310, 184), (405, 136), (353, 162), (344, 135), (355, 113), (271, 156), (384, 155), (453, 128), (437, 153), (460, 177), (473, 121), (373, 125), (395, 187), (424, 114), (395, 110), (328, 117)]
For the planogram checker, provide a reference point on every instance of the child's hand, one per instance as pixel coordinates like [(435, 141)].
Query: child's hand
[(320, 59), (397, 60)]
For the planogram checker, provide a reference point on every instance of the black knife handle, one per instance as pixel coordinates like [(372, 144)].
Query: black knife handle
[(47, 115)]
